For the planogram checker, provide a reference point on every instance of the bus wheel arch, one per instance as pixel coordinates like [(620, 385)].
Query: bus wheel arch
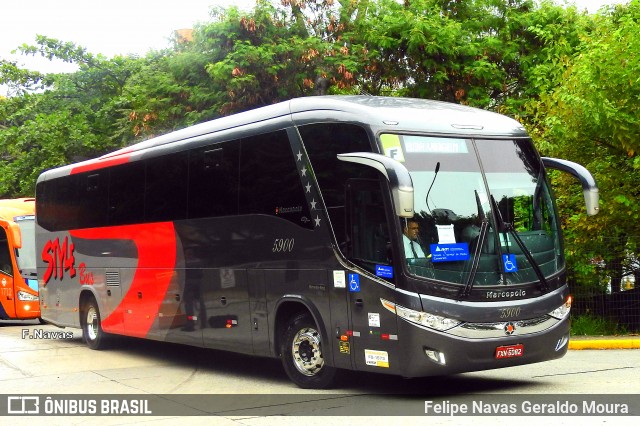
[(91, 322), (299, 343)]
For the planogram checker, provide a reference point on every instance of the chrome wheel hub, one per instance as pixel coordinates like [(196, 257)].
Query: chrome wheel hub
[(92, 323), (307, 352)]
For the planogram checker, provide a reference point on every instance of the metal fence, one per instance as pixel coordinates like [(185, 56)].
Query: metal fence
[(606, 296)]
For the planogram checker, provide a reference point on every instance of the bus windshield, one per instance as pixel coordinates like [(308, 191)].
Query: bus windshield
[(483, 210)]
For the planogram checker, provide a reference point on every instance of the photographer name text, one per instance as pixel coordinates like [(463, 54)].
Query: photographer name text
[(448, 408), (40, 334)]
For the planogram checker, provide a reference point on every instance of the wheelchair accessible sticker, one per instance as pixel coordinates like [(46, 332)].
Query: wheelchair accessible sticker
[(449, 252), (354, 283), (509, 262)]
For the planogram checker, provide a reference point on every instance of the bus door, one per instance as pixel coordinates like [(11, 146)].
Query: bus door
[(7, 296), (374, 328)]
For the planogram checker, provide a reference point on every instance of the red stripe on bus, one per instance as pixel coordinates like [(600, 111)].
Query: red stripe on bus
[(101, 164), (156, 246)]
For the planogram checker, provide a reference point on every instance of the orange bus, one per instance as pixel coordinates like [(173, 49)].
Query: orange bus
[(18, 275)]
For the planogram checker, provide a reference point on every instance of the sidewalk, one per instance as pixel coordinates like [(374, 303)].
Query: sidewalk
[(604, 342)]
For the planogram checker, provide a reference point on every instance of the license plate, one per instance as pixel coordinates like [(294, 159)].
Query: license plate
[(511, 351)]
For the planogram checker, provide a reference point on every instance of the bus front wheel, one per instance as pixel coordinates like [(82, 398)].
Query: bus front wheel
[(302, 354), (92, 332)]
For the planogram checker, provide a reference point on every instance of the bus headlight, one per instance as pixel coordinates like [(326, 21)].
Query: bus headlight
[(424, 319), (26, 297), (562, 311)]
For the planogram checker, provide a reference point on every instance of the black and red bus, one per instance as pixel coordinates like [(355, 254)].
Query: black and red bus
[(279, 232)]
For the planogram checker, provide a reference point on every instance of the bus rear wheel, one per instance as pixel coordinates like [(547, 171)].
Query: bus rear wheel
[(302, 354), (91, 323)]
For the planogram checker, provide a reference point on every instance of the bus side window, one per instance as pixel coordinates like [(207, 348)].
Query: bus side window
[(323, 143), (5, 258), (369, 242), (126, 194), (213, 180), (166, 187), (269, 179), (91, 207)]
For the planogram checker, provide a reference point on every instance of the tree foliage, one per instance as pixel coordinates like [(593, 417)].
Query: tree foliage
[(593, 117)]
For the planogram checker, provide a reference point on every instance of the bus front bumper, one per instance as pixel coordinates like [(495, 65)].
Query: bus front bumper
[(430, 353)]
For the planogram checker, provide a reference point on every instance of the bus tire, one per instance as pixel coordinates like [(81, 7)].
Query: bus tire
[(91, 323), (302, 354)]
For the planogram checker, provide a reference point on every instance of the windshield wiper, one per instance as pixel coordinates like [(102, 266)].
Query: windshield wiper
[(508, 227), (484, 226)]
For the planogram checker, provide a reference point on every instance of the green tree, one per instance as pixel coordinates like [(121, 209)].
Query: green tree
[(71, 117), (593, 117)]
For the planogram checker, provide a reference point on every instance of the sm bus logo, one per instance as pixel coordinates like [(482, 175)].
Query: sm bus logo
[(59, 259)]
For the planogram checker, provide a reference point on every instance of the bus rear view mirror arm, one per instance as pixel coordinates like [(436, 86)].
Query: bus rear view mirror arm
[(394, 171), (589, 186)]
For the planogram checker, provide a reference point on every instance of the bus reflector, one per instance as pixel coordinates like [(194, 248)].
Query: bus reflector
[(389, 305)]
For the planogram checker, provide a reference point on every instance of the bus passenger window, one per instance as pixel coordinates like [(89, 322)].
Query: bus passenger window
[(213, 180), (269, 180), (166, 188), (91, 206), (126, 190)]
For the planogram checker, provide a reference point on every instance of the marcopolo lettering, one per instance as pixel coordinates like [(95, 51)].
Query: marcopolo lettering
[(505, 294)]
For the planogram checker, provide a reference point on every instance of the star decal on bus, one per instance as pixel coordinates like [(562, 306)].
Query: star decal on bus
[(313, 204), (308, 186), (304, 171), (299, 155), (317, 220)]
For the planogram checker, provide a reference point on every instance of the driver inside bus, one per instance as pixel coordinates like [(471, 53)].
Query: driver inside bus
[(410, 231)]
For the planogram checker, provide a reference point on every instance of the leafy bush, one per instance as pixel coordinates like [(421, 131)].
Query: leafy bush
[(589, 325)]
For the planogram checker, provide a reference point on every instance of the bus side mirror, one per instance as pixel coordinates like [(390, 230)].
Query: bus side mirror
[(589, 186), (13, 233), (396, 174)]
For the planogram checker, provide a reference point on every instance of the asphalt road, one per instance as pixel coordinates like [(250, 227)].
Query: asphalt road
[(253, 391)]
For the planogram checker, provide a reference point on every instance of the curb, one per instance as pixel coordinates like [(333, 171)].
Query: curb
[(580, 344)]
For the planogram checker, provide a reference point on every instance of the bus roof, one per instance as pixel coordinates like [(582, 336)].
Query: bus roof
[(17, 207), (394, 114)]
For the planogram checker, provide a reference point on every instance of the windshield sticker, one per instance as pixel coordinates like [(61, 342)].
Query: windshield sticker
[(509, 262), (384, 271), (449, 252), (376, 358), (445, 234), (391, 147), (505, 240), (427, 145)]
